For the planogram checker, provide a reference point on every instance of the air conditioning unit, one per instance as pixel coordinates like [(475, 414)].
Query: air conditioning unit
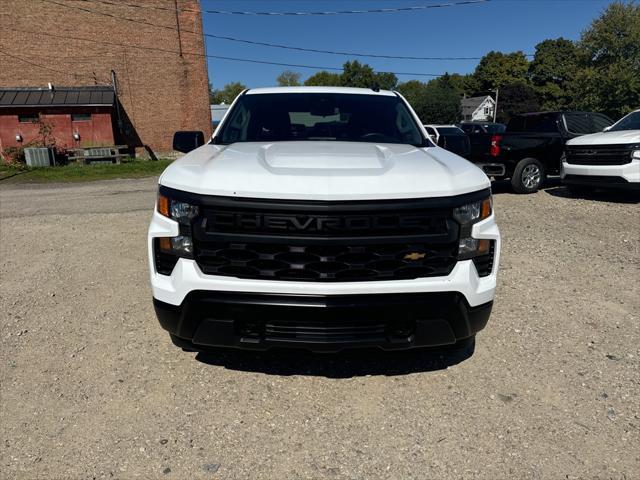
[(40, 157)]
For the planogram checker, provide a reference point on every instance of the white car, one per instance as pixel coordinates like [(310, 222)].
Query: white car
[(322, 218), (610, 159)]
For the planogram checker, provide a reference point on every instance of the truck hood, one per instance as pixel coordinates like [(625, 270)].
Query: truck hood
[(607, 138), (323, 170)]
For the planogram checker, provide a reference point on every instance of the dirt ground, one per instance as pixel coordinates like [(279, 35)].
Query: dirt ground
[(91, 386)]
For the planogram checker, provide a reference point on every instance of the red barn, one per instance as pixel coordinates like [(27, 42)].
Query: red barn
[(70, 117)]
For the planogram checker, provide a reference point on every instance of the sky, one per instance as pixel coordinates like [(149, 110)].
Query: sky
[(458, 31)]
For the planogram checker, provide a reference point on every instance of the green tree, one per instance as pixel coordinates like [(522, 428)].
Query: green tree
[(464, 84), (416, 93), (288, 79), (609, 49), (323, 79), (497, 69), (515, 99), (435, 102), (356, 74), (228, 93), (553, 71)]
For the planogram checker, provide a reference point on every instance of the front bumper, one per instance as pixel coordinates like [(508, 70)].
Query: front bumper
[(625, 176), (201, 310), (320, 322)]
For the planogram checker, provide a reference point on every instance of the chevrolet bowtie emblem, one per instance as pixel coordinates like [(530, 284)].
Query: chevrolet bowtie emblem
[(413, 256)]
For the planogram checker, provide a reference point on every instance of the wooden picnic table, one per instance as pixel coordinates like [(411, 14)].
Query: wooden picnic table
[(86, 155)]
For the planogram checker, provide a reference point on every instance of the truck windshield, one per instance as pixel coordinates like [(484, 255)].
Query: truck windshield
[(495, 128), (539, 123), (630, 122), (280, 117)]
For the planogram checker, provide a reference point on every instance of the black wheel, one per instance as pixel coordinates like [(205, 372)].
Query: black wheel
[(528, 176)]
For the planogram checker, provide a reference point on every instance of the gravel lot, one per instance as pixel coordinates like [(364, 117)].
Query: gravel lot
[(92, 387)]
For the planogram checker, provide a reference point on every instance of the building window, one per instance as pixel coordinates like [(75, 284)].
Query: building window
[(30, 118), (80, 117), (486, 110)]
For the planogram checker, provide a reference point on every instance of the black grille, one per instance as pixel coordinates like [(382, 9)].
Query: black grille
[(484, 263), (321, 332), (598, 155), (285, 261), (325, 241)]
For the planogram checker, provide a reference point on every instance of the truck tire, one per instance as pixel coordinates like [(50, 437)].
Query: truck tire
[(528, 176)]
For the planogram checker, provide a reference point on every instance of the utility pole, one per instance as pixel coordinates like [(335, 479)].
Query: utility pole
[(175, 2), (495, 108), (114, 85)]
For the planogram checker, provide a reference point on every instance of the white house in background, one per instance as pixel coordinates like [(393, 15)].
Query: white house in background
[(217, 112), (478, 109)]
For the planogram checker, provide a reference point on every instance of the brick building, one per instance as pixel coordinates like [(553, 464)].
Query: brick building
[(159, 70), (76, 117)]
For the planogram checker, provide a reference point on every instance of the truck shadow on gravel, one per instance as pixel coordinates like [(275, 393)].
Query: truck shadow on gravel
[(554, 187), (504, 186), (609, 196), (347, 364)]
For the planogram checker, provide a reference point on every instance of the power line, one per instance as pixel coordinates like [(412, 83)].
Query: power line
[(249, 42), (298, 14), (93, 77), (330, 52), (218, 57)]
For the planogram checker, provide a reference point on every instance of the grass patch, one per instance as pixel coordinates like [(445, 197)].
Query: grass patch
[(82, 173)]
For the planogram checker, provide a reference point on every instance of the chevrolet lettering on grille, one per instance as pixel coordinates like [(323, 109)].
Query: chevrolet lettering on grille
[(318, 224)]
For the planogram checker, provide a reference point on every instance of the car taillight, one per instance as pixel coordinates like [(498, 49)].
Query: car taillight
[(495, 145)]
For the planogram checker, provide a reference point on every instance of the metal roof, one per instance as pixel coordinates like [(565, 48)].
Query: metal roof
[(58, 96), (303, 89)]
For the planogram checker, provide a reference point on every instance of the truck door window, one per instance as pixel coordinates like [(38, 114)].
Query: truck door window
[(541, 123), (516, 124), (578, 123)]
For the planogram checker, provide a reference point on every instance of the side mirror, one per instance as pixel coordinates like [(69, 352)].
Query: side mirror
[(186, 141)]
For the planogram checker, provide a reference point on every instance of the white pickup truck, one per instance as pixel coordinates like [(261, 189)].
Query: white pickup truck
[(322, 218), (609, 159)]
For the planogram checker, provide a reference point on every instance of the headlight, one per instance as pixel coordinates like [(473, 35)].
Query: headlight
[(467, 216), (181, 212), (636, 154), (473, 212), (170, 249)]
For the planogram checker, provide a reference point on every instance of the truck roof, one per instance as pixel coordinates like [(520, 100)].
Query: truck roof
[(550, 112), (344, 90)]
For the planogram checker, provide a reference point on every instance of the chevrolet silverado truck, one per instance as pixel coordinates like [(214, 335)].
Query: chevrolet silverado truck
[(609, 160), (480, 135), (533, 144), (321, 218)]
